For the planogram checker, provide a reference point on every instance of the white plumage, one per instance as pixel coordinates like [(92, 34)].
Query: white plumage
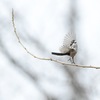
[(68, 43), (69, 46)]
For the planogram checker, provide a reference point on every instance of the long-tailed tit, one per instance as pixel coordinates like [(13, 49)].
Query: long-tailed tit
[(69, 46)]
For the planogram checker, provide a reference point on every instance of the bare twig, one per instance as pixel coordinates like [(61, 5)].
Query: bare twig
[(41, 58)]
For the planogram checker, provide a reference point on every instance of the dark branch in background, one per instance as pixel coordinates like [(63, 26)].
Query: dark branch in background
[(41, 58), (79, 90), (32, 76)]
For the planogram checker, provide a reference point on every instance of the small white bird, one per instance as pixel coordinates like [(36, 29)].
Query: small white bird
[(69, 47)]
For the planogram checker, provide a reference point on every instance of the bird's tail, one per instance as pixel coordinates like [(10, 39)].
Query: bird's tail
[(59, 54)]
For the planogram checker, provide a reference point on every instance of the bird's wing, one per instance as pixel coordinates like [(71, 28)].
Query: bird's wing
[(67, 42)]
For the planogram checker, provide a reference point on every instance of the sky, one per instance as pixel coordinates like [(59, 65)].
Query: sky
[(41, 26)]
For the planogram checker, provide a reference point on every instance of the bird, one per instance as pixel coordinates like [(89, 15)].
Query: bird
[(69, 47)]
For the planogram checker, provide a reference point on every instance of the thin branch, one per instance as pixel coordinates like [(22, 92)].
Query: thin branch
[(41, 58)]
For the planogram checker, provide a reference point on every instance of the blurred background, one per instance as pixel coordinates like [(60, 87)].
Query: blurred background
[(41, 26)]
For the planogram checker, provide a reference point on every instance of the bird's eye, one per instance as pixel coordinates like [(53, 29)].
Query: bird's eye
[(74, 41)]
